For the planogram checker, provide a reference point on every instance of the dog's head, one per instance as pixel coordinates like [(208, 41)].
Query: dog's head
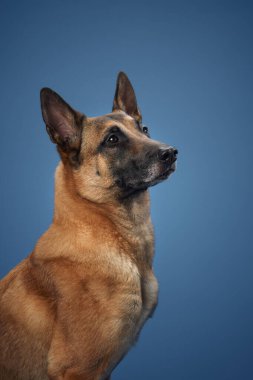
[(111, 155)]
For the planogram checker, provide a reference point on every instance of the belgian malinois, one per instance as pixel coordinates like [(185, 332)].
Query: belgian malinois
[(74, 307)]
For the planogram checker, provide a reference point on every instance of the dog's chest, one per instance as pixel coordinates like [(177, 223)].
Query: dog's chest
[(143, 251), (138, 298), (143, 244)]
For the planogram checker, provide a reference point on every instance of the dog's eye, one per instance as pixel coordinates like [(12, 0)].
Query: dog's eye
[(145, 130), (113, 139)]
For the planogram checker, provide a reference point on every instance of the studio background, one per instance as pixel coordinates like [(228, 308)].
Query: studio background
[(191, 65)]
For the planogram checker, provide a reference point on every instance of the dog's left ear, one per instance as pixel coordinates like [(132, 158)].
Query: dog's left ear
[(125, 99), (63, 123)]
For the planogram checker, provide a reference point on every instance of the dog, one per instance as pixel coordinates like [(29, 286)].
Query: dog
[(74, 307)]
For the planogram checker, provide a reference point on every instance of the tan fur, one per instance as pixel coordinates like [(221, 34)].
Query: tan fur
[(77, 303), (73, 308)]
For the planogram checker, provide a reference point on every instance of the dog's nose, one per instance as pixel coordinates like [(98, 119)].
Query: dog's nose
[(167, 155)]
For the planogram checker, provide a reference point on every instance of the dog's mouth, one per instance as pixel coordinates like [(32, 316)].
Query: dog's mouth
[(165, 174), (138, 188)]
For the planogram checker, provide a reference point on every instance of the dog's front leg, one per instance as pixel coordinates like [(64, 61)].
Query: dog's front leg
[(71, 374), (74, 354), (67, 363)]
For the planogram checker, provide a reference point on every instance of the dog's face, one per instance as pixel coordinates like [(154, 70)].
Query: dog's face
[(110, 156)]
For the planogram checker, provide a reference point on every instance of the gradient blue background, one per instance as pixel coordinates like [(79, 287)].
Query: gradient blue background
[(191, 64)]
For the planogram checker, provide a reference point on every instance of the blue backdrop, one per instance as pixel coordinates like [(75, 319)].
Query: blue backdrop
[(191, 64)]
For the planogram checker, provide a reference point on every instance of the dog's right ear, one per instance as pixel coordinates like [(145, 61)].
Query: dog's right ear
[(125, 99), (63, 123)]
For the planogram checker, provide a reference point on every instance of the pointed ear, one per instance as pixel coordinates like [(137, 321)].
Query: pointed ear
[(63, 123), (125, 99)]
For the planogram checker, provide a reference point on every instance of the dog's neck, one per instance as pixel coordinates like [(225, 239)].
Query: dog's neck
[(72, 209)]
